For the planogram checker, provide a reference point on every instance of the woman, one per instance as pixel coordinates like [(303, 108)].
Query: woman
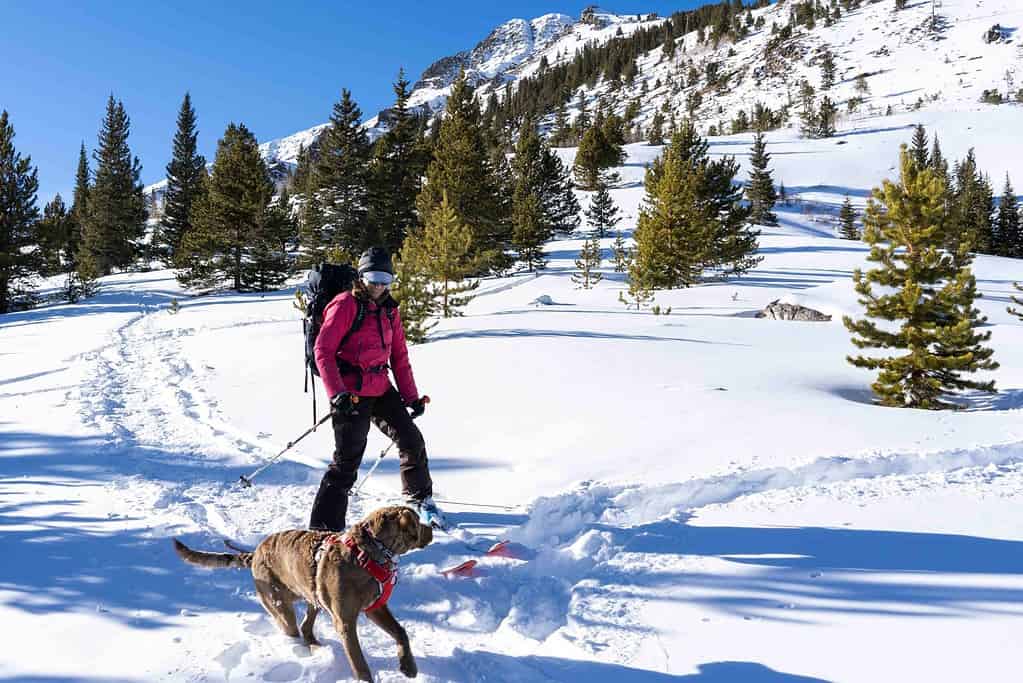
[(355, 377)]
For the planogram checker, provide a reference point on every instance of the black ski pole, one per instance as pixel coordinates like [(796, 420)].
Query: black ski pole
[(247, 481)]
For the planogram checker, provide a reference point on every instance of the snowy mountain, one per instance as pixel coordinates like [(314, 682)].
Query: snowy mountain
[(907, 65)]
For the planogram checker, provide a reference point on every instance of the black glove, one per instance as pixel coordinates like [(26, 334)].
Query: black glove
[(343, 404), (418, 407)]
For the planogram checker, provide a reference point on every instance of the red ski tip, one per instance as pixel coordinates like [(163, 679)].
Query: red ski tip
[(501, 549), (466, 569)]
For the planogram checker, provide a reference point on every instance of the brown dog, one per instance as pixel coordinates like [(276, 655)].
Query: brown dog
[(320, 568)]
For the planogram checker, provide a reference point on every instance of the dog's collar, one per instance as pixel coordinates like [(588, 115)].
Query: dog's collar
[(386, 574)]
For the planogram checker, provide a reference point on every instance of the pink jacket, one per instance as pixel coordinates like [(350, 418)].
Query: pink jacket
[(378, 340)]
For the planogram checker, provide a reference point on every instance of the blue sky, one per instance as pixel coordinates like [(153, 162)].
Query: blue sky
[(276, 68)]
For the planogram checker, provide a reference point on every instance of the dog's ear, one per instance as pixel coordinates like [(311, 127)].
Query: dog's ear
[(414, 532)]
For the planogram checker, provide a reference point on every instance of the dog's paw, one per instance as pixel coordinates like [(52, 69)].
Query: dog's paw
[(408, 666)]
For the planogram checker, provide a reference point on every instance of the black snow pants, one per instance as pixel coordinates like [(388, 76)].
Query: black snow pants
[(389, 414)]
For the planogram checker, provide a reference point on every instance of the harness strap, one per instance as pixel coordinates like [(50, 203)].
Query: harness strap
[(386, 576)]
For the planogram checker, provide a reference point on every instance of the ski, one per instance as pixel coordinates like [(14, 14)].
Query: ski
[(467, 569)]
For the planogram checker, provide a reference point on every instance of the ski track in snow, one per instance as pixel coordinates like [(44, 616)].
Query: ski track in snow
[(144, 394)]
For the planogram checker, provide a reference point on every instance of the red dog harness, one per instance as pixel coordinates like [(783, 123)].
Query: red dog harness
[(386, 576)]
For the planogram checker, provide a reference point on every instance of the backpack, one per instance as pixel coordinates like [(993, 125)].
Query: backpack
[(323, 283)]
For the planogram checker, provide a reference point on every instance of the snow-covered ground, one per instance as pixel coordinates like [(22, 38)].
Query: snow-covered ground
[(703, 496)]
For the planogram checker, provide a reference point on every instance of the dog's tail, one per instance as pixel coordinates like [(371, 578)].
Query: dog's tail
[(212, 560)]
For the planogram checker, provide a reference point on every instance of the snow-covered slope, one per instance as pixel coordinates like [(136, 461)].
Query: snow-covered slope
[(703, 496)]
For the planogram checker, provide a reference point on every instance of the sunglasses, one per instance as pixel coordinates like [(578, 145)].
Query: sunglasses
[(377, 277)]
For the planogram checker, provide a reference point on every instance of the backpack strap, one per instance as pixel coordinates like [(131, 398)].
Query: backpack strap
[(360, 315)]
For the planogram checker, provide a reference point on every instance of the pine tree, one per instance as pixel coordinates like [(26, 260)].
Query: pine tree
[(972, 205), (588, 263), (1009, 236), (861, 86), (783, 196), (919, 148), (1018, 301), (937, 161), (115, 224), (847, 219), (622, 254), (809, 120), (655, 135), (531, 227), (18, 213), (587, 159), (444, 252), (461, 168), (183, 174), (827, 70), (826, 116), (412, 289), (83, 182), (55, 237), (557, 192), (229, 231), (927, 304), (562, 135), (340, 183), (760, 190), (266, 265), (602, 214), (399, 161)]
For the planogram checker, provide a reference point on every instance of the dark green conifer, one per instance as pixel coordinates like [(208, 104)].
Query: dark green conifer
[(115, 224), (228, 219), (399, 161), (847, 220), (1008, 235), (340, 182), (827, 70), (461, 168), (760, 189), (19, 183), (602, 215), (919, 147), (183, 176)]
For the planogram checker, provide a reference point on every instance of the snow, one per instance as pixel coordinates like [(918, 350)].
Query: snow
[(702, 496)]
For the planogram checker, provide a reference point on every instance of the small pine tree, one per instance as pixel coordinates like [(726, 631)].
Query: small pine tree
[(443, 252), (1018, 312), (602, 215), (639, 295), (622, 254), (847, 219), (861, 86), (918, 150), (587, 264), (928, 300), (655, 135), (1009, 238), (413, 291), (18, 213), (760, 190), (827, 70), (530, 232), (826, 117), (783, 196)]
